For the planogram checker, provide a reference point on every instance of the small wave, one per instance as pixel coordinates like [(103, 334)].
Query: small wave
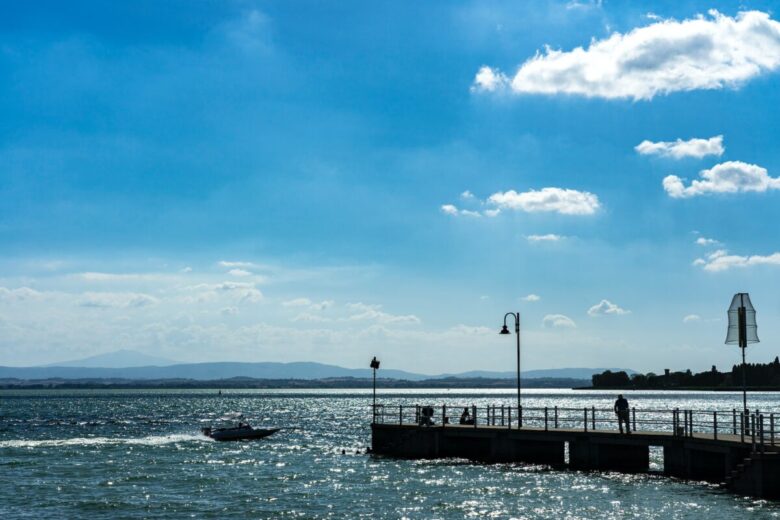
[(152, 440)]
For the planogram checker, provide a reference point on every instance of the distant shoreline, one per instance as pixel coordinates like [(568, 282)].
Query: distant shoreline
[(270, 384), (685, 388)]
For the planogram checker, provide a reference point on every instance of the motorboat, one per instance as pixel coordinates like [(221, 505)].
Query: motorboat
[(237, 432)]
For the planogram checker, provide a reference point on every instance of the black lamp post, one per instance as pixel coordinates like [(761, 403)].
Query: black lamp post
[(374, 365), (505, 330), (742, 330)]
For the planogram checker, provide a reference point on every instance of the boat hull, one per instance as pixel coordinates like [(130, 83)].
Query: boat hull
[(239, 434)]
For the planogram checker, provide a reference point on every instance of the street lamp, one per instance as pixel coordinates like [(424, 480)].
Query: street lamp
[(375, 366), (742, 330), (505, 330)]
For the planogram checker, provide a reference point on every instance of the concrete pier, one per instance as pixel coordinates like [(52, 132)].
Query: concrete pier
[(741, 463)]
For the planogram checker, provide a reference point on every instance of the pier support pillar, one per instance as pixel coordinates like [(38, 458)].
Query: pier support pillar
[(588, 455)]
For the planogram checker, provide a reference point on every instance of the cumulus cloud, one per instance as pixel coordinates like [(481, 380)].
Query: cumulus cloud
[(239, 272), (721, 260), (550, 237), (727, 177), (488, 79), (605, 307), (531, 298), (691, 317), (105, 300), (230, 264), (680, 149), (558, 321), (559, 200), (467, 195), (702, 241), (229, 311), (666, 56)]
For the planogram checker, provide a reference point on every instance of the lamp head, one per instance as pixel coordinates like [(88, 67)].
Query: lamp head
[(504, 330), (375, 363)]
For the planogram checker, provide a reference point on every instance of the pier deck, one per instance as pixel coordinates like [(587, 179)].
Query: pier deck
[(742, 452)]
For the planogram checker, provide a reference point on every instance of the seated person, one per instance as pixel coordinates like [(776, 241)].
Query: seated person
[(465, 417)]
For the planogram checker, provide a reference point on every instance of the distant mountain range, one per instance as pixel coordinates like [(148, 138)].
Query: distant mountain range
[(126, 364)]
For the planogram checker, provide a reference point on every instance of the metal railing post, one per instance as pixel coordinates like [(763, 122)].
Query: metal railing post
[(761, 430), (752, 423), (715, 425), (509, 417), (443, 415), (674, 422), (474, 415), (772, 428), (545, 418), (585, 422), (742, 426), (593, 417), (734, 415), (519, 417), (633, 417), (400, 414), (556, 417)]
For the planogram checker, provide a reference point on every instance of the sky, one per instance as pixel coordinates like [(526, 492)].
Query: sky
[(319, 181)]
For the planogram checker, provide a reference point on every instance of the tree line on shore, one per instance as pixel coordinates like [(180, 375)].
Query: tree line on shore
[(756, 375)]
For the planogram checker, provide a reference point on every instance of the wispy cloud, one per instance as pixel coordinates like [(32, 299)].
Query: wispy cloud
[(703, 241), (123, 300), (691, 318), (550, 237), (727, 177), (666, 56), (680, 149), (559, 321), (606, 307), (721, 260), (531, 298)]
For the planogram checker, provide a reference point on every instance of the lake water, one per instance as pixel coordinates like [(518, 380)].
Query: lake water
[(139, 454)]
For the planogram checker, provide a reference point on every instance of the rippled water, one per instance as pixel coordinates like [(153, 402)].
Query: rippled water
[(128, 454)]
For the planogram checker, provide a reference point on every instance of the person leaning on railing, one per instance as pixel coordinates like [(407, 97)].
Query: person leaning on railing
[(621, 410)]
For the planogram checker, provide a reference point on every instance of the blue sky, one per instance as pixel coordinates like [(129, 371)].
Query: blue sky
[(291, 181)]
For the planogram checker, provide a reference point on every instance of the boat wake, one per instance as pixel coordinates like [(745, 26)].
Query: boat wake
[(152, 440)]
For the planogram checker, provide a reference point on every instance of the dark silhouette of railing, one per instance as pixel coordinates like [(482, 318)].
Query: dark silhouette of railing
[(753, 427)]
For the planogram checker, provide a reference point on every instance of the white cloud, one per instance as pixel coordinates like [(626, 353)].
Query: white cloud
[(531, 298), (666, 56), (679, 149), (186, 270), (105, 300), (243, 292), (544, 238), (558, 321), (117, 277), (239, 272), (720, 260), (605, 307), (702, 241), (489, 80), (727, 177), (467, 195), (309, 317), (297, 302), (321, 306), (691, 317), (449, 209), (19, 294), (374, 313), (564, 201), (231, 264)]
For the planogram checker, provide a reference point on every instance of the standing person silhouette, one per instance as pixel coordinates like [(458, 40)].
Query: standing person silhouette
[(621, 410)]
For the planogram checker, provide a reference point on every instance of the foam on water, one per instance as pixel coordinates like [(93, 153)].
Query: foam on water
[(151, 440)]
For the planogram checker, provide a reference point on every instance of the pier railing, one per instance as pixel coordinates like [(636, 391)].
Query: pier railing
[(754, 427)]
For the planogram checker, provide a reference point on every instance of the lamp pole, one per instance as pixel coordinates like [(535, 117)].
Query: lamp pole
[(374, 365), (505, 330)]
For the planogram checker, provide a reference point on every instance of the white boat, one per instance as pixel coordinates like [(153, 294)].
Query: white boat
[(237, 432)]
